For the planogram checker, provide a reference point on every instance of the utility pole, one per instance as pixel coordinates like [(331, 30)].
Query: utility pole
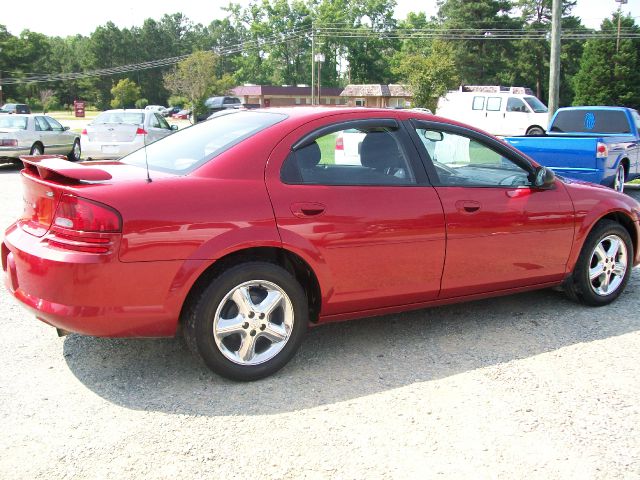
[(554, 62), (313, 63), (621, 2)]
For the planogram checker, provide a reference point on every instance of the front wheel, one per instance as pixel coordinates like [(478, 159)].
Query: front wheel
[(249, 322), (604, 266), (535, 131)]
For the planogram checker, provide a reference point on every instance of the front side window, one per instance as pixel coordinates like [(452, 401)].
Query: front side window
[(516, 105), (352, 156), (494, 104), (464, 161), (536, 105), (55, 125)]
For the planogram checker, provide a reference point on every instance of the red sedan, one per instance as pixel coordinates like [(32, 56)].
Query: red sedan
[(244, 229)]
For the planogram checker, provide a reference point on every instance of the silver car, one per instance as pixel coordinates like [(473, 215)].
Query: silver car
[(116, 133), (35, 135)]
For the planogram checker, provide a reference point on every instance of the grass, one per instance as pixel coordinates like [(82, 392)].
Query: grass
[(327, 146)]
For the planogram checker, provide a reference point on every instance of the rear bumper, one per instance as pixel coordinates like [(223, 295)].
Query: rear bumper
[(91, 294), (13, 152)]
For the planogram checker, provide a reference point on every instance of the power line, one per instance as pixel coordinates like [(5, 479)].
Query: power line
[(326, 31)]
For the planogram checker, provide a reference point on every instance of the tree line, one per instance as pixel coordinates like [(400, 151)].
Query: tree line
[(482, 42)]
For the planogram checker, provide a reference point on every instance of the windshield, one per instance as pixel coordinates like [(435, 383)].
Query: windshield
[(132, 118), (19, 123), (187, 149), (536, 105)]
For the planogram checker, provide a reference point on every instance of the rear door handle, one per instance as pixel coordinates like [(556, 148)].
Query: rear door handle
[(307, 209), (468, 206)]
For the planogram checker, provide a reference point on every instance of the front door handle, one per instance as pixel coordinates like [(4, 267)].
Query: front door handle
[(307, 209), (468, 206)]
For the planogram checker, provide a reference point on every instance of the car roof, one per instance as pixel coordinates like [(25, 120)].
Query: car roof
[(125, 110)]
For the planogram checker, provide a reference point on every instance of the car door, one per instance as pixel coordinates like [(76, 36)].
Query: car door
[(160, 126), (61, 140), (373, 227), (45, 134), (502, 233), (517, 117)]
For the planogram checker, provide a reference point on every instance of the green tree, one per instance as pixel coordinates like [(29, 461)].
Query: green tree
[(124, 93), (195, 78), (480, 61), (607, 76), (429, 75)]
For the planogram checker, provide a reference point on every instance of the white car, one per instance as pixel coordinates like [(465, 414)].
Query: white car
[(35, 135), (155, 108), (116, 133), (348, 142)]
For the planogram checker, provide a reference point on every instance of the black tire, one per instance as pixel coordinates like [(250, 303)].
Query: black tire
[(535, 131), (36, 149), (580, 287), (619, 179), (208, 307), (76, 153)]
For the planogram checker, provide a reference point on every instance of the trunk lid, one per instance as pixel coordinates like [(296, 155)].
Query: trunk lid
[(112, 132), (46, 177)]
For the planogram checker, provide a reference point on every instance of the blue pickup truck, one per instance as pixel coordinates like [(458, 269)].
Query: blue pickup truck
[(595, 144)]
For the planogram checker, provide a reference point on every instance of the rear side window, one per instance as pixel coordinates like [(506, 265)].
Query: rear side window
[(367, 156), (591, 121), (494, 104), (478, 103), (190, 148)]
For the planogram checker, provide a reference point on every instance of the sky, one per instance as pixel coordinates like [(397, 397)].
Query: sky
[(70, 18)]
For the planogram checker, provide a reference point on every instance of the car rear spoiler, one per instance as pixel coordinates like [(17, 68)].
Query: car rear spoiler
[(57, 167)]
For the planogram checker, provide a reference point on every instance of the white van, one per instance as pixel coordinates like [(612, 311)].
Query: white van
[(504, 111)]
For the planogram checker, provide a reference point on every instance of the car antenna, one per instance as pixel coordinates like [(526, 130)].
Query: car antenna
[(146, 160)]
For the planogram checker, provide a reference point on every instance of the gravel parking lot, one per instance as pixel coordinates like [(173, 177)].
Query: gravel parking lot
[(529, 386)]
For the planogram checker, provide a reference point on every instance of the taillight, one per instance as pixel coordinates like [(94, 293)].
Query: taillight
[(141, 131), (9, 142), (84, 132), (601, 150), (80, 214), (339, 143)]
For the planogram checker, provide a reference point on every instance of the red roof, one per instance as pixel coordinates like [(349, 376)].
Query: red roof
[(274, 90)]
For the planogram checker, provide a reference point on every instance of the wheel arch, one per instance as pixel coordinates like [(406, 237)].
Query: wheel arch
[(290, 261)]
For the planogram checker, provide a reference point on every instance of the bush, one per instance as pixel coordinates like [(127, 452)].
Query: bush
[(177, 101), (142, 102)]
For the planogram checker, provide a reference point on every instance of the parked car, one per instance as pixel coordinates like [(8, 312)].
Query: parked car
[(14, 108), (217, 104), (182, 115), (169, 111), (34, 135), (595, 144), (497, 110), (115, 133), (239, 231)]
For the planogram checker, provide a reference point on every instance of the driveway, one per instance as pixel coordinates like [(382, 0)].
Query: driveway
[(528, 386)]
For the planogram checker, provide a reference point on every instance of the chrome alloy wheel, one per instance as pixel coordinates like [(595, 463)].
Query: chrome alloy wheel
[(608, 265), (76, 151), (253, 322), (618, 182)]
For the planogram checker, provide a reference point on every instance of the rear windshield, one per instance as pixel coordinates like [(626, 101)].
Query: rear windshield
[(187, 149), (17, 123), (132, 118), (591, 121)]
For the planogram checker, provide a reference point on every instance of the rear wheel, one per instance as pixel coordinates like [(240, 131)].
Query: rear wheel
[(604, 266), (36, 149), (76, 152), (249, 322), (618, 181)]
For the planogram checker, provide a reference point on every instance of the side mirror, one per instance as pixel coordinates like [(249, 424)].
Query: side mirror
[(544, 178), (433, 136), (174, 127), (66, 128)]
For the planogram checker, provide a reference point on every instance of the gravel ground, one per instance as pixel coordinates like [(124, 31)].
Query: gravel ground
[(529, 386)]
